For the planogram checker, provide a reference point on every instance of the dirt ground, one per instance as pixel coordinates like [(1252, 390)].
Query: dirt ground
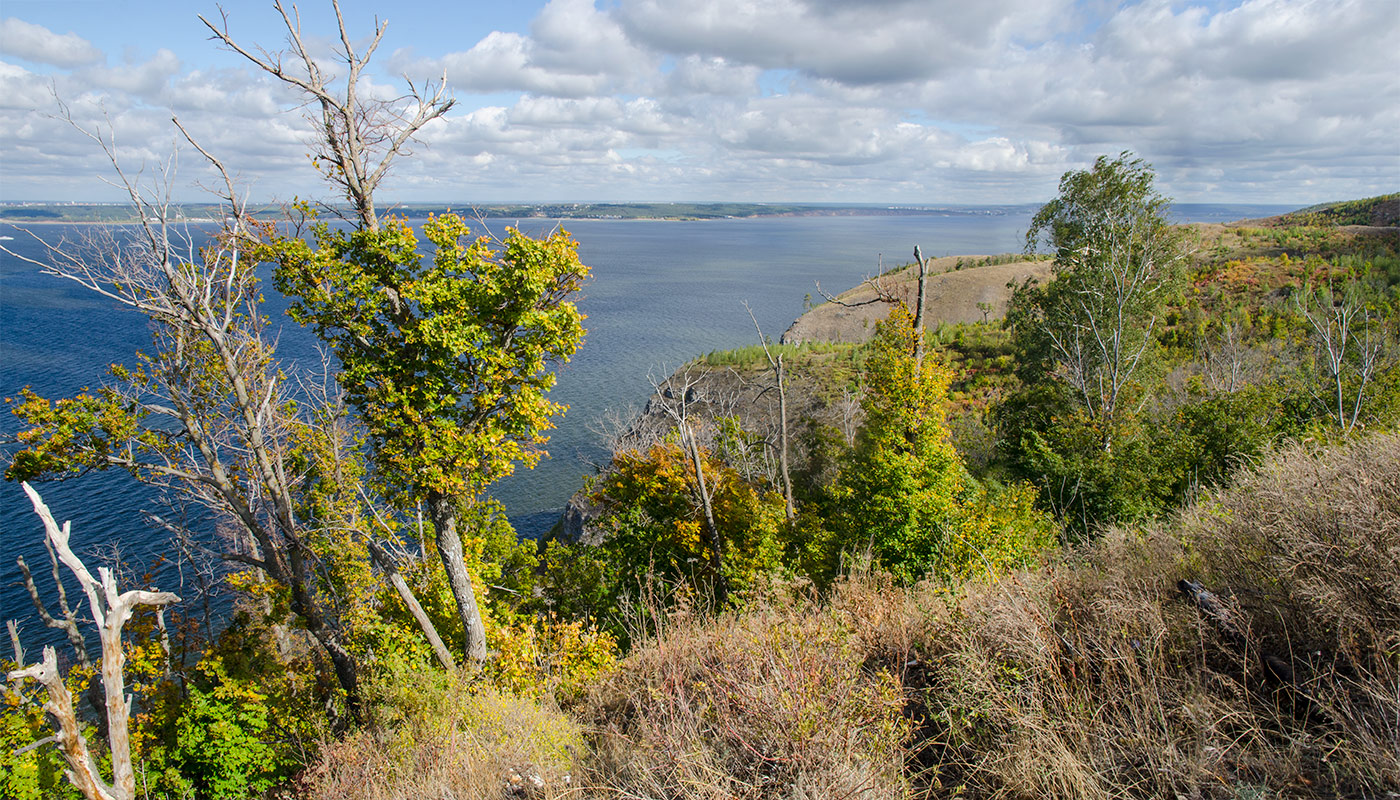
[(953, 296)]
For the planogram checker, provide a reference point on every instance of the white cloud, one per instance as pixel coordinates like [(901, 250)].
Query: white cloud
[(849, 42), (842, 100), (148, 78), (42, 46), (574, 51)]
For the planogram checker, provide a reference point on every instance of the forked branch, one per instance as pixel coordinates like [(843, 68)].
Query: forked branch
[(110, 610), (357, 138)]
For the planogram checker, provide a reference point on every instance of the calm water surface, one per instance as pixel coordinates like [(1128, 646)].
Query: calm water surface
[(661, 293)]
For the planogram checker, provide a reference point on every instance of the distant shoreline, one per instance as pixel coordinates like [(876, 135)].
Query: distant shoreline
[(77, 214)]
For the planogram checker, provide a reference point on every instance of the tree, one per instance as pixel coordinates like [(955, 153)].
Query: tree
[(357, 136), (674, 399), (899, 486), (444, 358), (1348, 341), (110, 610), (208, 413), (904, 493), (444, 361), (1091, 327), (776, 363)]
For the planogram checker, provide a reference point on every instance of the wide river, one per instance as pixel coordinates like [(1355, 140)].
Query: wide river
[(661, 293)]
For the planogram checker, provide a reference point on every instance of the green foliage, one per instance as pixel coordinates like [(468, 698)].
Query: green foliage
[(549, 656), (753, 355), (1116, 258), (243, 719), (899, 486), (444, 357), (653, 547), (1381, 210), (903, 491), (71, 435), (38, 772), (221, 739)]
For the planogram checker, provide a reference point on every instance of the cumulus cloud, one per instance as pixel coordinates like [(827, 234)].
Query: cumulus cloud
[(877, 41), (574, 50), (841, 100), (42, 46)]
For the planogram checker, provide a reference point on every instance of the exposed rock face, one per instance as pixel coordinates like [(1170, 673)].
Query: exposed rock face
[(953, 295)]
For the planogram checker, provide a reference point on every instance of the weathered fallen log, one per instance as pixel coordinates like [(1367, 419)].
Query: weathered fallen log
[(1235, 633)]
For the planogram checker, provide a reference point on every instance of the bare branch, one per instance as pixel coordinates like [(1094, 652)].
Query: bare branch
[(110, 610)]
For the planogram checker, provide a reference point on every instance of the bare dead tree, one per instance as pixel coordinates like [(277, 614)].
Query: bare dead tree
[(1348, 345), (69, 622), (890, 295), (1224, 361), (919, 306), (776, 364), (619, 430), (357, 136), (852, 414), (13, 628), (209, 414), (884, 292), (675, 399), (110, 610)]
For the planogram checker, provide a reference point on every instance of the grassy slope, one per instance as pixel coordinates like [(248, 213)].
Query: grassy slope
[(1091, 677)]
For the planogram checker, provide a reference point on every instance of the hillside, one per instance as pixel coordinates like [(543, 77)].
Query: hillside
[(1382, 211), (1093, 676), (961, 289), (954, 571)]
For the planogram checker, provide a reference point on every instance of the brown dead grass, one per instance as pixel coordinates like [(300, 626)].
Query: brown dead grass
[(952, 296), (1096, 678), (462, 743), (777, 701), (1093, 677)]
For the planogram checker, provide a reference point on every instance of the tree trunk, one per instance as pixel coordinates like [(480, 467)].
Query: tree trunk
[(788, 509), (443, 514), (347, 672), (711, 529), (386, 563), (919, 308)]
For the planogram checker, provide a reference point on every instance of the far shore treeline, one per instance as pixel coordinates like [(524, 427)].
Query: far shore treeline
[(120, 213)]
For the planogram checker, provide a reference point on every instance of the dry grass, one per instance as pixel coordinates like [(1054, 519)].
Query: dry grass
[(778, 701), (463, 745), (1096, 678), (1093, 677)]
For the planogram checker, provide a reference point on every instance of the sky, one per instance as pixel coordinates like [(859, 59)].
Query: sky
[(837, 101)]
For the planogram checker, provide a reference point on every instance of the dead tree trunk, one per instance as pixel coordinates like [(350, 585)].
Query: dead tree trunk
[(386, 562), (919, 307), (110, 610), (711, 529), (777, 366), (1235, 633)]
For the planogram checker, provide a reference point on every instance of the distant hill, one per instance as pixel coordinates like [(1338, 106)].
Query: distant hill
[(1377, 212)]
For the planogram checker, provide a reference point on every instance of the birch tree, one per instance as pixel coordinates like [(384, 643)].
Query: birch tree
[(1091, 327), (1348, 341)]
